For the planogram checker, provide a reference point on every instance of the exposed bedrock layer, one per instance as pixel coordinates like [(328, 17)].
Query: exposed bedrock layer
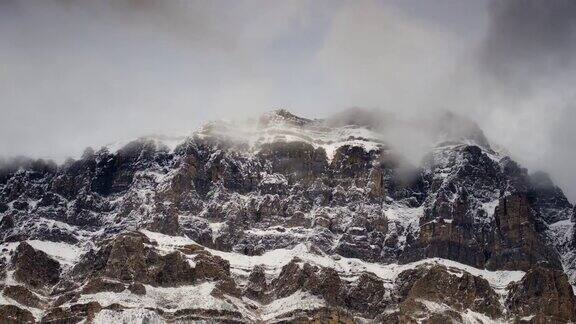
[(286, 219)]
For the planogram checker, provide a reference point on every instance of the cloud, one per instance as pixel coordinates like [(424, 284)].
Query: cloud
[(526, 66), (530, 42), (84, 73), (77, 73), (374, 55)]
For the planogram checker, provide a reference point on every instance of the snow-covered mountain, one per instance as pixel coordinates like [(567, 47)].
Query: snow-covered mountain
[(286, 219)]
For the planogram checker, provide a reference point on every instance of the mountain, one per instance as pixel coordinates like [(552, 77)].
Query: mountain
[(287, 219)]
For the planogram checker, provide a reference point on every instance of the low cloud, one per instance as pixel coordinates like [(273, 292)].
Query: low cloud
[(84, 73)]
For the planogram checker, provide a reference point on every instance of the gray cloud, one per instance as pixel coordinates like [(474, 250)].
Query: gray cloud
[(78, 73), (527, 68), (529, 41)]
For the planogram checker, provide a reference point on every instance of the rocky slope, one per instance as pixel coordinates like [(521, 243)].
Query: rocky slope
[(286, 219)]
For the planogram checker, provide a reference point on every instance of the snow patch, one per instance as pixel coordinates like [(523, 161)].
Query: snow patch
[(65, 254), (128, 316), (274, 260), (297, 301), (166, 298)]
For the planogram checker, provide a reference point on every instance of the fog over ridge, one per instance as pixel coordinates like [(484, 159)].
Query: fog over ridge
[(86, 73)]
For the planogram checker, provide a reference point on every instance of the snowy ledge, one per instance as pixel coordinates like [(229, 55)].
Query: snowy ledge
[(273, 261)]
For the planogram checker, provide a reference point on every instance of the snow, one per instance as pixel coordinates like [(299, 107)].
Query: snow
[(434, 307), (279, 129), (490, 207), (274, 260), (561, 234), (166, 298), (37, 313), (297, 301), (215, 227), (406, 218), (472, 317), (190, 297), (7, 248), (65, 254), (274, 179), (128, 316), (468, 316)]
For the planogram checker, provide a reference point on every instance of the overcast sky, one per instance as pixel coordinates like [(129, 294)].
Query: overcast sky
[(85, 73)]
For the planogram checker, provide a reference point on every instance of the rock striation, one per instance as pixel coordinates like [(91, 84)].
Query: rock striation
[(286, 219)]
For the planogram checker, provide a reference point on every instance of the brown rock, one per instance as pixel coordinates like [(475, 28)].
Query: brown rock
[(129, 258), (513, 241), (367, 296), (73, 314), (353, 163), (165, 221), (137, 289), (35, 268), (191, 249), (126, 258), (65, 298), (97, 285), (11, 314), (324, 282), (23, 296), (318, 316), (210, 266), (293, 277), (257, 285), (438, 285), (518, 246), (295, 160), (453, 239), (545, 293), (329, 286), (376, 187), (175, 270)]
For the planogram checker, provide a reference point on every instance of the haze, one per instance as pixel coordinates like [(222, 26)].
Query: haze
[(85, 73)]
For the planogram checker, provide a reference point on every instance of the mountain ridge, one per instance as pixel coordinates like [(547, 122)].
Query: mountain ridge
[(285, 218)]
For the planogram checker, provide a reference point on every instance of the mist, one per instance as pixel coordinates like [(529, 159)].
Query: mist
[(85, 73)]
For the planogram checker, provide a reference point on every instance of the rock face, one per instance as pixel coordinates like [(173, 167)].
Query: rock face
[(436, 285), (286, 219), (126, 258), (35, 268), (517, 244), (544, 293), (13, 314)]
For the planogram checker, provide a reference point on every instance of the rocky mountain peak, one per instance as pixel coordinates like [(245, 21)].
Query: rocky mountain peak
[(451, 127), (280, 117), (286, 219)]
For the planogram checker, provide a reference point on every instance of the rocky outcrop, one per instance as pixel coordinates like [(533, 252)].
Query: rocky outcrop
[(23, 296), (11, 314), (298, 161), (333, 190), (35, 268), (73, 314), (548, 199), (324, 315), (545, 294), (97, 285), (128, 258), (257, 285), (420, 289), (367, 296), (457, 226), (518, 243), (295, 276)]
